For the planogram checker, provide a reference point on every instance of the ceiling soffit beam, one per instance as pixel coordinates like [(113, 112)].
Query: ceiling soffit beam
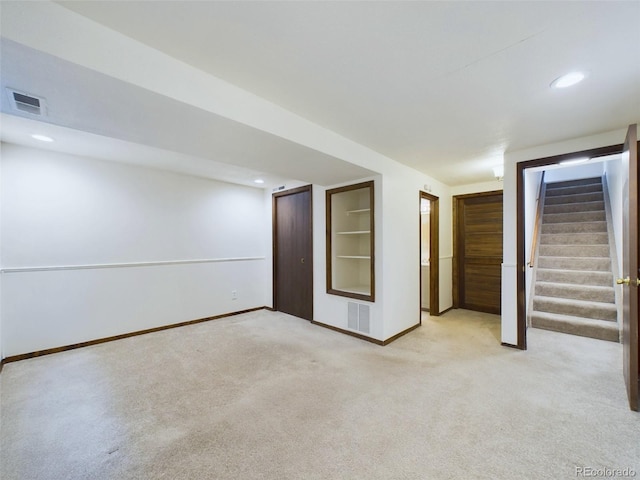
[(52, 29)]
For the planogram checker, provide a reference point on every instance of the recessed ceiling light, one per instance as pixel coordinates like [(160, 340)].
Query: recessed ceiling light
[(567, 80), (42, 138), (259, 181)]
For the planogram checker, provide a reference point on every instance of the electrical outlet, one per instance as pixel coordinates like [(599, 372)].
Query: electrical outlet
[(234, 294)]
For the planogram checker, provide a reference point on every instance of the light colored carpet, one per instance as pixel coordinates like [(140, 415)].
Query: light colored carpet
[(269, 396)]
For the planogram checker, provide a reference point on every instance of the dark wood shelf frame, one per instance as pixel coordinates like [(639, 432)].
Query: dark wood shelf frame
[(336, 290)]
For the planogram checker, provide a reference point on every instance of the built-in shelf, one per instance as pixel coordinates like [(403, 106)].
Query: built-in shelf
[(361, 210), (357, 289), (350, 242)]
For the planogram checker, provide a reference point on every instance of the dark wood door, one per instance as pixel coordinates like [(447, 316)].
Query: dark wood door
[(629, 280), (293, 253), (479, 251)]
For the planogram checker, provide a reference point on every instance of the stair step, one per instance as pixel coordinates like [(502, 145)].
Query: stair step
[(575, 183), (578, 197), (576, 292), (600, 329), (575, 207), (601, 238), (577, 308), (575, 277), (574, 251), (554, 192), (574, 217), (575, 263), (575, 227)]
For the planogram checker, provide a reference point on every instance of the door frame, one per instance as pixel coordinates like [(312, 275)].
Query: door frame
[(434, 254), (274, 232), (457, 201), (521, 261)]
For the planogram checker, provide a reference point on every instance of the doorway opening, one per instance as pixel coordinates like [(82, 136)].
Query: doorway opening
[(429, 254), (630, 251), (573, 233), (521, 227)]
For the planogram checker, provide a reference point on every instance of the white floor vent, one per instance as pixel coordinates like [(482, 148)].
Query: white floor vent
[(359, 317)]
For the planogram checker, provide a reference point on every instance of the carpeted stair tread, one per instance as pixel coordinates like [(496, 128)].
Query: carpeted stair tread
[(575, 263), (592, 328), (560, 227), (575, 277), (577, 238), (575, 183), (574, 290), (554, 192), (598, 216), (581, 308), (574, 251), (575, 207), (594, 293), (577, 197)]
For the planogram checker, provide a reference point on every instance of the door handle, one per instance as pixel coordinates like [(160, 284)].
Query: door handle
[(628, 281), (302, 260)]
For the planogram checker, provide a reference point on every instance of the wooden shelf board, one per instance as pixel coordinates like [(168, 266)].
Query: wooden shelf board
[(365, 257), (359, 232), (361, 210), (361, 289)]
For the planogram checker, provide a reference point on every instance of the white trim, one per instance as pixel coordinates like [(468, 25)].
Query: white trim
[(126, 265)]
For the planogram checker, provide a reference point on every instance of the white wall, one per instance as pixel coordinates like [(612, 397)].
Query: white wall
[(62, 211), (65, 218), (509, 274), (494, 185), (53, 29), (401, 261), (332, 309), (397, 252), (576, 172), (615, 178)]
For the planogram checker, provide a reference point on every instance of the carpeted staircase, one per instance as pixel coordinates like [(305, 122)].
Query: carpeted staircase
[(574, 291)]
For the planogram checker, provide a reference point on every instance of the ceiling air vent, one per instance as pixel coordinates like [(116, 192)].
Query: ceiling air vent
[(27, 103)]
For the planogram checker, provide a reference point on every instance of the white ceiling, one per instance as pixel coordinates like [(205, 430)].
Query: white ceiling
[(445, 87)]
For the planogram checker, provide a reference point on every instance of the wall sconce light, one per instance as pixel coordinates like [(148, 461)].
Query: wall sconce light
[(498, 172)]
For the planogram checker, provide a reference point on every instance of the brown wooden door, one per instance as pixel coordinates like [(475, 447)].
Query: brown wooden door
[(293, 253), (631, 363), (479, 251)]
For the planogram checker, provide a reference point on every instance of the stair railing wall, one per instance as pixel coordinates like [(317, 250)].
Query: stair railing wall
[(615, 268), (536, 225)]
